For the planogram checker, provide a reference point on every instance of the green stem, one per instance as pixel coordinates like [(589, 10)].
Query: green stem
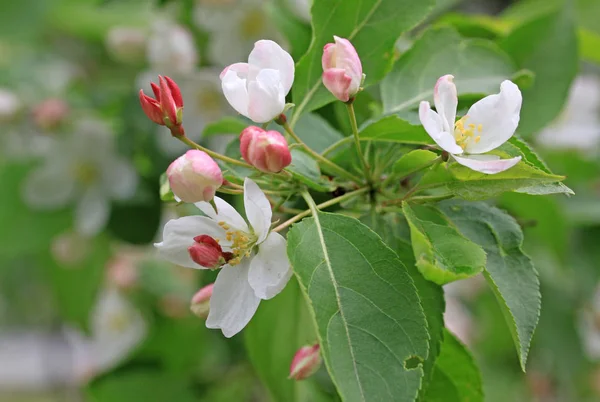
[(314, 208), (334, 167), (361, 156), (415, 170), (229, 191), (215, 155), (336, 145)]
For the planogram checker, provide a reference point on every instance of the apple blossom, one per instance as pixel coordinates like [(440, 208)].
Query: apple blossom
[(50, 113), (306, 362), (265, 150), (257, 268), (257, 89), (489, 123), (342, 69), (171, 49), (194, 176), (82, 167), (126, 43), (167, 108), (200, 304)]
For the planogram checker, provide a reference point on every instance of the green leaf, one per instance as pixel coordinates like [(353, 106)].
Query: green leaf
[(368, 316), (395, 232), (478, 66), (166, 194), (297, 33), (227, 125), (306, 169), (278, 329), (509, 272), (371, 25), (316, 132), (456, 377), (413, 162), (546, 45), (395, 129), (234, 171), (442, 254)]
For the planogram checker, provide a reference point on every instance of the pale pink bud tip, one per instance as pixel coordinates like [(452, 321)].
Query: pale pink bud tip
[(200, 304), (50, 113), (306, 362), (267, 151), (342, 69), (207, 252), (166, 108), (194, 176)]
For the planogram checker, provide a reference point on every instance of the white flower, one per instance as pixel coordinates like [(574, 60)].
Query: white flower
[(589, 327), (171, 49), (116, 327), (257, 89), (126, 44), (578, 127), (9, 104), (301, 8), (82, 167), (234, 26), (488, 124), (258, 269)]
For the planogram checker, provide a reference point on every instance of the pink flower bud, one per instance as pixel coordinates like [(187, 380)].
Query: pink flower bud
[(207, 253), (200, 305), (306, 362), (50, 113), (166, 108), (265, 150), (342, 70), (194, 176)]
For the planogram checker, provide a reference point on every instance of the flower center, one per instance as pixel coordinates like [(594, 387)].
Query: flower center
[(86, 173), (241, 243), (463, 134), (118, 322)]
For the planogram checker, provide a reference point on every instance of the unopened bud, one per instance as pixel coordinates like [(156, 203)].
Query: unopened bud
[(166, 108), (50, 113), (342, 69), (306, 362), (200, 304), (207, 252), (267, 151), (194, 176)]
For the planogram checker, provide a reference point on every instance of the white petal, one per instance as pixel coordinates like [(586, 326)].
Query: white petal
[(49, 186), (266, 96), (270, 268), (179, 234), (92, 212), (234, 89), (498, 116), (258, 209), (434, 125), (446, 101), (120, 178), (226, 213), (488, 164), (268, 54), (233, 302)]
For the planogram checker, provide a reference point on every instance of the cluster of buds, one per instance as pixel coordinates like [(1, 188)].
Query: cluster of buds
[(207, 252), (306, 362), (267, 151), (166, 108), (200, 304), (342, 69), (194, 177)]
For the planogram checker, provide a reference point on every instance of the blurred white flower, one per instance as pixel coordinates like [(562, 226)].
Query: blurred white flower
[(126, 44), (578, 127), (234, 26), (171, 49), (301, 8), (589, 327), (116, 327), (83, 167), (10, 105)]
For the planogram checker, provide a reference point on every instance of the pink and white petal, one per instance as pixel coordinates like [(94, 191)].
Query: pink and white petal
[(258, 209), (241, 69), (446, 101), (488, 164), (179, 234), (497, 116), (92, 211), (270, 268), (269, 55), (338, 83), (225, 213), (233, 302), (120, 178), (49, 186), (434, 126), (235, 91), (347, 58), (328, 58), (266, 96)]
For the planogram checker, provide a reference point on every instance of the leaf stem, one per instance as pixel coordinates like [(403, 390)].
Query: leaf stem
[(334, 167), (361, 156), (315, 208), (336, 145), (415, 170), (214, 154)]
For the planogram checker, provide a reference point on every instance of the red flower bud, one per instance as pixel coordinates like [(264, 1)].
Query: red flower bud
[(306, 362), (265, 150), (207, 253), (200, 305), (166, 108)]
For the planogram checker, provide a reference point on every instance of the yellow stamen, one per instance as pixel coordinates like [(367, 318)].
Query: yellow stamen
[(477, 139)]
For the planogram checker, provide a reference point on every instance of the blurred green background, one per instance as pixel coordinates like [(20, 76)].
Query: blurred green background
[(86, 311)]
